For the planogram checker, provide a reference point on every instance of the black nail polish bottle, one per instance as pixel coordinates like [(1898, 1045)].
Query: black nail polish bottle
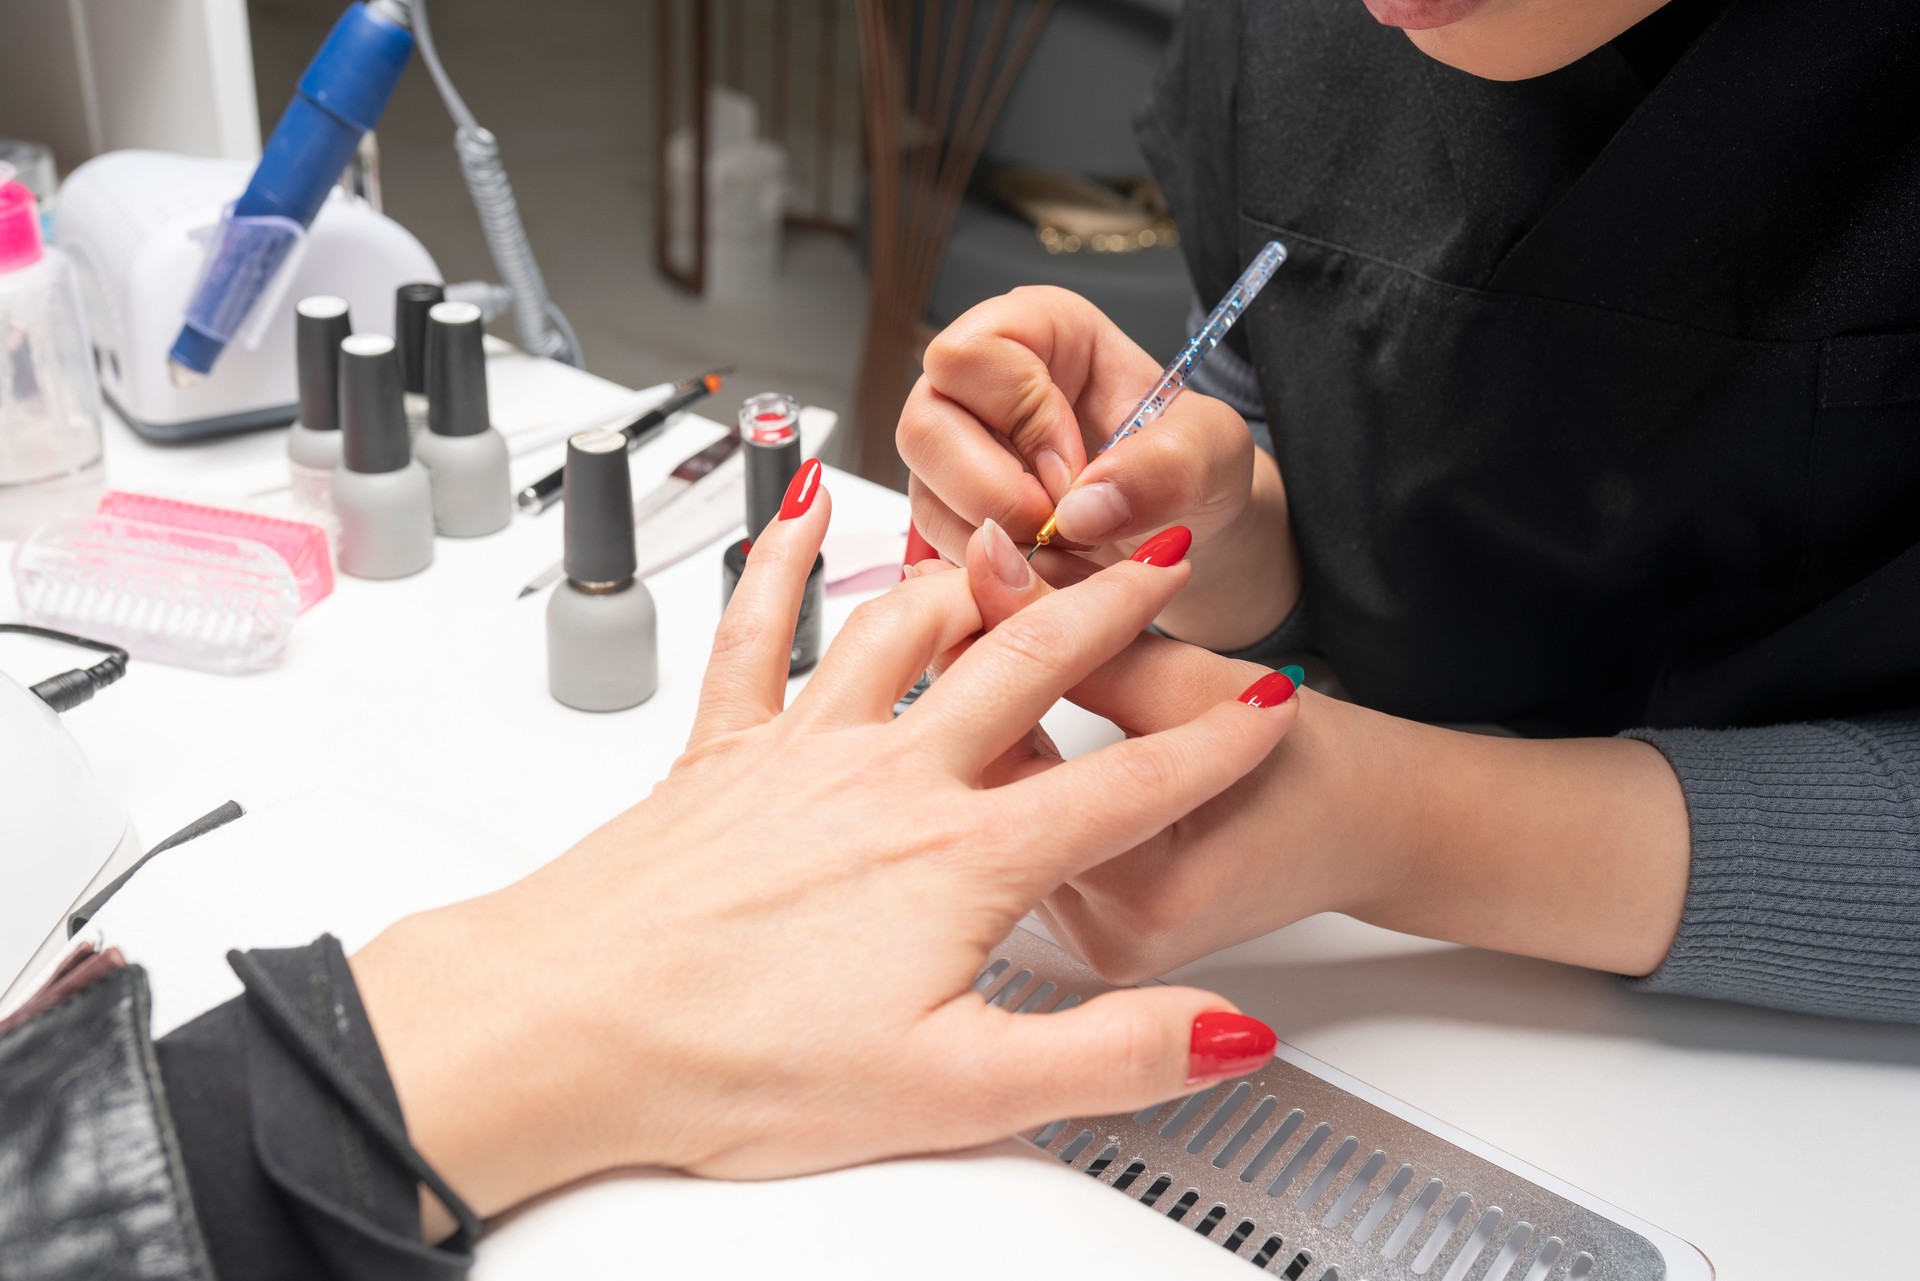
[(770, 436)]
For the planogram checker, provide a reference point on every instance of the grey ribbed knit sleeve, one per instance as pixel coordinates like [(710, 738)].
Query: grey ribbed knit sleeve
[(1805, 887)]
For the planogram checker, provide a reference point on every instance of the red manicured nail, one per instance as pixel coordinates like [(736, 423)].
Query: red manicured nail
[(918, 549), (800, 490), (1227, 1044), (1168, 547), (1270, 690)]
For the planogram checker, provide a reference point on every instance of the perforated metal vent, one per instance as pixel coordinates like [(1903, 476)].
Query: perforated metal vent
[(1305, 1179)]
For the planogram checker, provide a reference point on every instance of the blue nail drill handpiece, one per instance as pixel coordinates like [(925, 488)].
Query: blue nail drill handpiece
[(341, 97)]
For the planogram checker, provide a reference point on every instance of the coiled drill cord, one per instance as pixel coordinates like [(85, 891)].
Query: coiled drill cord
[(543, 328)]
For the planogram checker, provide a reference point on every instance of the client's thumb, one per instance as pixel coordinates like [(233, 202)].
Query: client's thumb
[(1125, 1051)]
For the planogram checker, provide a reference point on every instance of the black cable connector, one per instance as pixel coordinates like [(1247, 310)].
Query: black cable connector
[(72, 688)]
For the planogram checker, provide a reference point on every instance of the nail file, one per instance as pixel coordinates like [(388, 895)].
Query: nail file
[(1312, 1175)]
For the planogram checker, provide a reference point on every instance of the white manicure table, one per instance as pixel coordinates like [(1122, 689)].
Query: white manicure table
[(1776, 1143)]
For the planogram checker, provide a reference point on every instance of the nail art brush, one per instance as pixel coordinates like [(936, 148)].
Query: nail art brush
[(543, 493), (1173, 379)]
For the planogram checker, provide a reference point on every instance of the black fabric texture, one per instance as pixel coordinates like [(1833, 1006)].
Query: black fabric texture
[(1596, 398), (297, 1180)]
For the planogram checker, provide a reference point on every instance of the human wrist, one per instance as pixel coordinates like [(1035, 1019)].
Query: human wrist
[(1366, 774), (491, 1083), (1571, 850)]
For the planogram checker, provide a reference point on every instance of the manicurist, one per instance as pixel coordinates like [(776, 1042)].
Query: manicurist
[(1587, 405)]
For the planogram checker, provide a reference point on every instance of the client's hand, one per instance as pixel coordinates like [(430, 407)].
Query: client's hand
[(764, 967), (1273, 847), (1570, 849)]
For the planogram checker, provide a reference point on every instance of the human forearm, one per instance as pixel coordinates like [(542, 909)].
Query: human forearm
[(1572, 850)]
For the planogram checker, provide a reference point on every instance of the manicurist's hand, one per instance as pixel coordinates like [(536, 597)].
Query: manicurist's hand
[(1018, 395), (1574, 850), (764, 967)]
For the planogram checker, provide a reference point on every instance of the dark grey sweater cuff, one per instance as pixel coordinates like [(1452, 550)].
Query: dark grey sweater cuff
[(1804, 892)]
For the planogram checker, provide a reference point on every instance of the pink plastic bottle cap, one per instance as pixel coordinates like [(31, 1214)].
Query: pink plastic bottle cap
[(19, 228)]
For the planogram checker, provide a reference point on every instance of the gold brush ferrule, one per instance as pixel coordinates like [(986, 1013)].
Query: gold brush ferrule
[(1045, 535)]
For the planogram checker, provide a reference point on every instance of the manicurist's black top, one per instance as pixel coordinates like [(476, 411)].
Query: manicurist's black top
[(1597, 397)]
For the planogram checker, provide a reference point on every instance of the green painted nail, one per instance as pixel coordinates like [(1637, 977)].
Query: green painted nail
[(1295, 673)]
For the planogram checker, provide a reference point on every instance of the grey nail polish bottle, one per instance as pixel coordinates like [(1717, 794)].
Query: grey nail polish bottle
[(313, 442), (602, 652), (381, 496), (411, 303), (464, 456)]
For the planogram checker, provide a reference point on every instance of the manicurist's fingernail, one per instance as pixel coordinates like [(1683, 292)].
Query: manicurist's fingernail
[(1295, 673), (1053, 472), (1168, 547), (1090, 513), (801, 490), (1008, 565), (1270, 690), (1227, 1044)]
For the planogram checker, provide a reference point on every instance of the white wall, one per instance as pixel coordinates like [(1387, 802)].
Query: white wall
[(86, 76)]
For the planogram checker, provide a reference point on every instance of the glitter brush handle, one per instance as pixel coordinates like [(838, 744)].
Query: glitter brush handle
[(1173, 379)]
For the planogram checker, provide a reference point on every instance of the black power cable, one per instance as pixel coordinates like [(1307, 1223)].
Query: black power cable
[(70, 689)]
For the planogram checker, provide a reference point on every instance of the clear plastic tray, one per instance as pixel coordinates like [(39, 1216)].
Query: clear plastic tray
[(165, 594)]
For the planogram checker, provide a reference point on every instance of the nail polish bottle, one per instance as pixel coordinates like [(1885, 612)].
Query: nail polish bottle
[(382, 497), (411, 303), (770, 435), (313, 442), (464, 456), (602, 652)]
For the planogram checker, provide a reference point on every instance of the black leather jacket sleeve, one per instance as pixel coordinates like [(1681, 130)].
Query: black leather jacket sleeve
[(92, 1183), (263, 1140)]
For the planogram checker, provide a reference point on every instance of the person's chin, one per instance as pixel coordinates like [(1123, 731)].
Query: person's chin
[(1421, 15)]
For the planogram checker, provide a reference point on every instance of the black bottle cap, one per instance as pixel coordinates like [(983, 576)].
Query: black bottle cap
[(319, 324), (373, 420), (411, 303), (598, 492), (456, 370)]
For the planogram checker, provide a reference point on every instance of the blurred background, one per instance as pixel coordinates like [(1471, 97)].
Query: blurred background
[(870, 168)]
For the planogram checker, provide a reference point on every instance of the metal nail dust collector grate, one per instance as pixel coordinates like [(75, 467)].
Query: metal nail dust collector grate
[(1311, 1175)]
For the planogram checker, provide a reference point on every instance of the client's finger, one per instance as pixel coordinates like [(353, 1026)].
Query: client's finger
[(1008, 678), (746, 679), (1150, 685), (886, 643), (1004, 582), (1117, 1053), (1089, 809)]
